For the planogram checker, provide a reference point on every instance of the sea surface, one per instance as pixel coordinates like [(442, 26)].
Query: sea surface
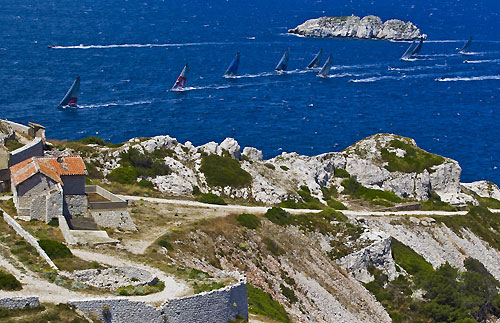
[(128, 53)]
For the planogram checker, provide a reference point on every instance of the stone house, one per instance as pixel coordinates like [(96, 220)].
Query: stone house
[(44, 188), (4, 163)]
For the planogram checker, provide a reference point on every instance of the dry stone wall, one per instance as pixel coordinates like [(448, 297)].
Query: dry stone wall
[(19, 302)]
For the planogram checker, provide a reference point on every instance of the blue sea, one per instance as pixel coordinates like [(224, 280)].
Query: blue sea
[(128, 53)]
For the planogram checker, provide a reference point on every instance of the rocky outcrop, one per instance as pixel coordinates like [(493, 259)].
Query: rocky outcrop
[(484, 189), (369, 27)]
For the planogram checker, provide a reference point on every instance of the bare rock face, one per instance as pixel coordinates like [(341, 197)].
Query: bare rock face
[(252, 154), (484, 189), (369, 27), (232, 147)]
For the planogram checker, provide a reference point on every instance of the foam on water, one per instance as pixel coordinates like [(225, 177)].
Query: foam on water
[(468, 79)]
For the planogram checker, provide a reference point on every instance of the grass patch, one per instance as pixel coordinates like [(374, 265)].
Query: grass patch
[(415, 160), (224, 171), (336, 205), (206, 286), (273, 247), (488, 202), (42, 314), (141, 290), (353, 188), (163, 242), (307, 201), (9, 207), (249, 221), (342, 173), (261, 303), (434, 203), (93, 140), (55, 249), (410, 261), (13, 144), (211, 198)]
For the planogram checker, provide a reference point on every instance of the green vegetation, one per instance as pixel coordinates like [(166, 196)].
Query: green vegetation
[(42, 314), (211, 198), (92, 171), (342, 173), (146, 184), (141, 290), (224, 171), (9, 207), (355, 189), (13, 144), (279, 216), (9, 282), (146, 164), (250, 221), (123, 175), (206, 286), (289, 294), (261, 303), (488, 202), (270, 166), (449, 296), (336, 205), (283, 167), (307, 201), (415, 160), (434, 203), (273, 247), (93, 140), (55, 249), (163, 242)]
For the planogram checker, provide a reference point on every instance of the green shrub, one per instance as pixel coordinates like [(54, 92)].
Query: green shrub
[(92, 171), (123, 175), (342, 173), (92, 140), (353, 188), (279, 216), (308, 201), (270, 166), (273, 247), (489, 202), (13, 144), (410, 261), (146, 184), (261, 303), (415, 160), (224, 171), (54, 222), (336, 205), (211, 198), (434, 203), (283, 167), (196, 190), (289, 294), (146, 165), (163, 242), (55, 249), (9, 282), (250, 221), (206, 287)]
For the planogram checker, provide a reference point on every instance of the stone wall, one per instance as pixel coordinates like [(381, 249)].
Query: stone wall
[(216, 306), (75, 205), (33, 149), (19, 302), (29, 238), (113, 203), (37, 208), (115, 219), (36, 185), (219, 306), (54, 205), (66, 232)]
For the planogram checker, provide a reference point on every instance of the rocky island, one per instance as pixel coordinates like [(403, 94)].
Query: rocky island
[(369, 27)]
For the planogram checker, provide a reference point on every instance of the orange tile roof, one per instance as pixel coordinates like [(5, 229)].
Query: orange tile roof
[(51, 167)]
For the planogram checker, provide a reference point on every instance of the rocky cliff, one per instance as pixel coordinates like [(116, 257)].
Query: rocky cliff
[(369, 27)]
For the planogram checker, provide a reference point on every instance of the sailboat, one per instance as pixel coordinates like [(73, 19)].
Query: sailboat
[(466, 46), (283, 63), (233, 67), (181, 80), (71, 96), (316, 60), (418, 48), (325, 70), (409, 52)]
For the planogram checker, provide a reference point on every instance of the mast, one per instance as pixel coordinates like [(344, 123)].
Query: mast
[(233, 67), (418, 48), (316, 60), (71, 96), (325, 70), (181, 80), (466, 46), (283, 63)]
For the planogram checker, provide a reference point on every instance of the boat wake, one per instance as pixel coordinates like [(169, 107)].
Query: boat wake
[(468, 79), (438, 55), (111, 104), (331, 76), (482, 61), (244, 76), (417, 68), (137, 45)]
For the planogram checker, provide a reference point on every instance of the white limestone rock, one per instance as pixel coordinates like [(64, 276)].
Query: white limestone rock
[(252, 154), (484, 189), (355, 27), (232, 147)]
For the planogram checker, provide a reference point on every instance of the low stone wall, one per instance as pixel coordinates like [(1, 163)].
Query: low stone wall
[(19, 302), (18, 127), (29, 238), (115, 219), (114, 201), (66, 232), (75, 205), (216, 306), (33, 149)]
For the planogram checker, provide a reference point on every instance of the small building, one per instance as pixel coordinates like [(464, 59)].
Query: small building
[(44, 188)]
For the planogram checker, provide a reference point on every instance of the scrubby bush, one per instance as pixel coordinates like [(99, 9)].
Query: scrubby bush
[(273, 247), (146, 184), (289, 294), (141, 290), (250, 221), (92, 171), (211, 198), (415, 159), (283, 167), (163, 242), (55, 249), (9, 282), (279, 216), (353, 188), (224, 171), (123, 175), (336, 205), (270, 166), (434, 203), (340, 172)]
